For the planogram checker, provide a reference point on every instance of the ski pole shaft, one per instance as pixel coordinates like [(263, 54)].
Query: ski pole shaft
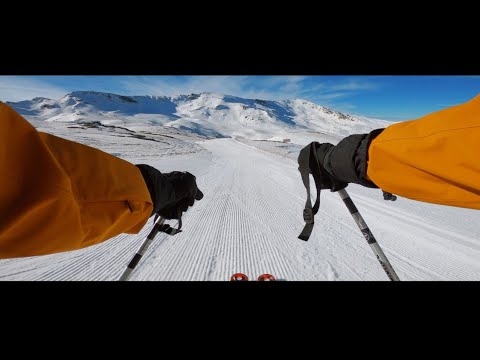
[(377, 250), (141, 251)]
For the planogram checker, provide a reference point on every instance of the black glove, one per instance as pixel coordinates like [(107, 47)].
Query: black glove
[(347, 161), (171, 193), (186, 192), (327, 180)]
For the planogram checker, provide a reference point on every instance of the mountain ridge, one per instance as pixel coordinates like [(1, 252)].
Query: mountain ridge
[(203, 113)]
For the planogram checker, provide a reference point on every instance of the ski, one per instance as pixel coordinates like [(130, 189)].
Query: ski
[(243, 277), (266, 277), (239, 277)]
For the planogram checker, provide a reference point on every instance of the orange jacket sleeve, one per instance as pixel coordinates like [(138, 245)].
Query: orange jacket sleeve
[(58, 195), (434, 159)]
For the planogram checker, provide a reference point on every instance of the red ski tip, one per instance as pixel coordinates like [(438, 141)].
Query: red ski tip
[(239, 277), (266, 277)]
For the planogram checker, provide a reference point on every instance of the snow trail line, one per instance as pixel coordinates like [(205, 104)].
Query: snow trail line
[(249, 221)]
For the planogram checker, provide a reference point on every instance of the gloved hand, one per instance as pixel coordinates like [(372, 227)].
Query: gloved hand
[(186, 192), (328, 180), (347, 161), (172, 192)]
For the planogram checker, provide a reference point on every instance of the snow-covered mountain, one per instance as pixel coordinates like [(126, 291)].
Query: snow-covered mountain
[(207, 114)]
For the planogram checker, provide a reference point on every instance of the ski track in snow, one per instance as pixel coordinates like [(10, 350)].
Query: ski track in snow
[(249, 221)]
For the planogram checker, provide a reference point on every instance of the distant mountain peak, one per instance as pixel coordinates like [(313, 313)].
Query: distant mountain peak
[(203, 113), (91, 95)]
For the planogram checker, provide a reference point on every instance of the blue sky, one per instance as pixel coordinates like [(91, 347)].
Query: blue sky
[(384, 97)]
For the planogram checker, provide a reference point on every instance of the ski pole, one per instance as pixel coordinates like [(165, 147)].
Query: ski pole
[(141, 251), (377, 250)]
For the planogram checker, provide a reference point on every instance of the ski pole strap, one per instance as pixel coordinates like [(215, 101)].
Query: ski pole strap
[(308, 164), (167, 228)]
